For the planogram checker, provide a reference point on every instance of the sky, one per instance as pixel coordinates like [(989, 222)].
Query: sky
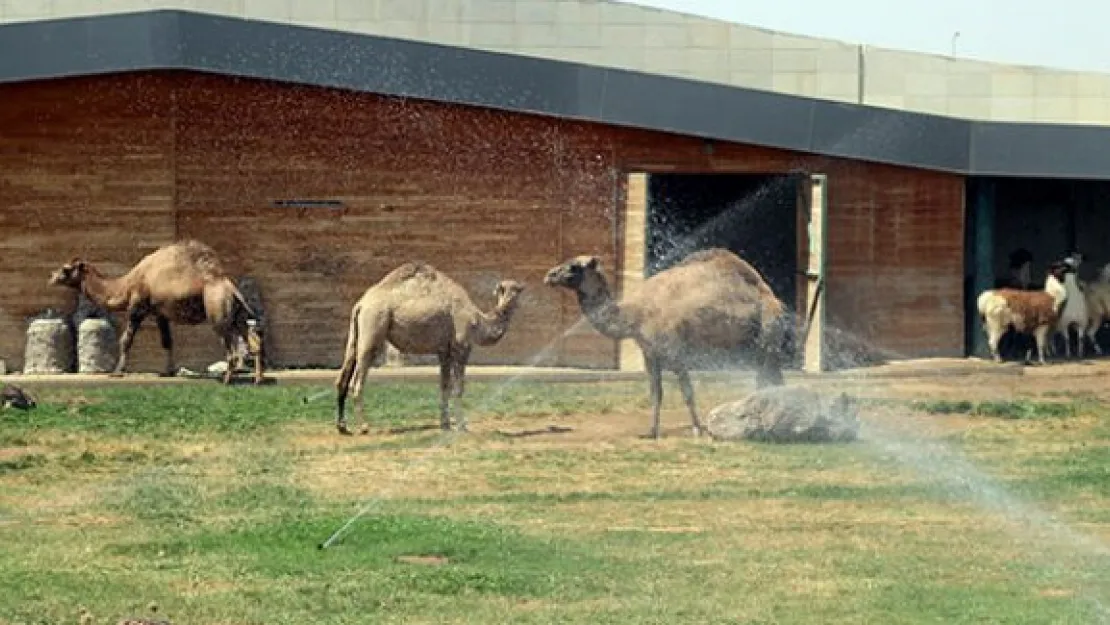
[(1066, 34)]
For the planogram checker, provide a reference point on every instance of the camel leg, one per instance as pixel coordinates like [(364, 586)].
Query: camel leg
[(361, 369), (134, 321), (461, 358), (167, 344), (349, 384), (231, 355), (458, 384), (445, 370), (254, 345), (655, 381), (342, 387), (343, 381), (688, 396), (365, 339)]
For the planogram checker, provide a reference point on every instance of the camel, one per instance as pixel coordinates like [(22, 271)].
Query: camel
[(184, 283), (711, 303), (420, 310)]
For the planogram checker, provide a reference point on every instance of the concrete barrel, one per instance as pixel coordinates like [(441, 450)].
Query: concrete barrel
[(96, 346), (49, 347)]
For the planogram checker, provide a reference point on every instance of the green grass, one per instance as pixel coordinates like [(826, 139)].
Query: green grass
[(1014, 409), (211, 502), (208, 408)]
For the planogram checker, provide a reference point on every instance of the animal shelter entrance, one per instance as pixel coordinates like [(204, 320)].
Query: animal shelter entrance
[(1015, 228), (763, 218)]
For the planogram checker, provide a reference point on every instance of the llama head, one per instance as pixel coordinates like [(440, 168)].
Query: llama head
[(1054, 280)]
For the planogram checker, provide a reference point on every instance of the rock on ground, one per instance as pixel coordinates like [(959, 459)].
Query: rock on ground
[(786, 415), (15, 397)]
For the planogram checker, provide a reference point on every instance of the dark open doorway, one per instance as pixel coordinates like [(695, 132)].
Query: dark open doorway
[(753, 215), (1047, 218)]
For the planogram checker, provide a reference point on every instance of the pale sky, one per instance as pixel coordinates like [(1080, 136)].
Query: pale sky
[(1067, 34)]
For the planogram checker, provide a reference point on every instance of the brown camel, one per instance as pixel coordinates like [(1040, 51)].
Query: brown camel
[(712, 304), (184, 283), (420, 311)]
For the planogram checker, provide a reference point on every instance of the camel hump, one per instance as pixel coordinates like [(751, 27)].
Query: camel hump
[(412, 270), (190, 256), (204, 258), (707, 255), (724, 260)]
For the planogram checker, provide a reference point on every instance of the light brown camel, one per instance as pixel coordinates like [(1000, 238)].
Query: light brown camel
[(184, 283), (711, 305), (420, 311)]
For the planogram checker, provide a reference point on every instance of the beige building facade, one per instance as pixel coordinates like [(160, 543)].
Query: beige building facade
[(618, 35)]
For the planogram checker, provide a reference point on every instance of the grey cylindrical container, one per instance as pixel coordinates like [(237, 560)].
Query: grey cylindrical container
[(96, 346), (49, 347)]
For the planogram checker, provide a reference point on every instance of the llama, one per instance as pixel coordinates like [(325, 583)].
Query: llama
[(1027, 312), (1074, 313), (1098, 305)]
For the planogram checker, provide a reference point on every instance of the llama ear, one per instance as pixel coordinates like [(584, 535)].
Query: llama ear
[(593, 263)]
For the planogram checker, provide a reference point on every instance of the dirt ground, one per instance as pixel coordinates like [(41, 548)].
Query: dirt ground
[(956, 379)]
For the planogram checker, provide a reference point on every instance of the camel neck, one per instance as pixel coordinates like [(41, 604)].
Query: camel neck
[(493, 325), (103, 292), (602, 310)]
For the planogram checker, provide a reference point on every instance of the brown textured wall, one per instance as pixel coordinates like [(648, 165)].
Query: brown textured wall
[(86, 168), (97, 165)]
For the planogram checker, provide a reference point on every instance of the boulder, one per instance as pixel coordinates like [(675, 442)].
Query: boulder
[(15, 397), (786, 415)]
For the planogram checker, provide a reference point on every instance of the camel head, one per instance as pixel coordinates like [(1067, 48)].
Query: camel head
[(579, 273), (70, 274), (507, 292)]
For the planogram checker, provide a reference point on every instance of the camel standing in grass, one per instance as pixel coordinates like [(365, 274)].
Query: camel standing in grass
[(184, 283), (420, 311), (712, 303)]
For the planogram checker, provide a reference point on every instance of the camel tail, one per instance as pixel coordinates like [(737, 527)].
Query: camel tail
[(350, 359)]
